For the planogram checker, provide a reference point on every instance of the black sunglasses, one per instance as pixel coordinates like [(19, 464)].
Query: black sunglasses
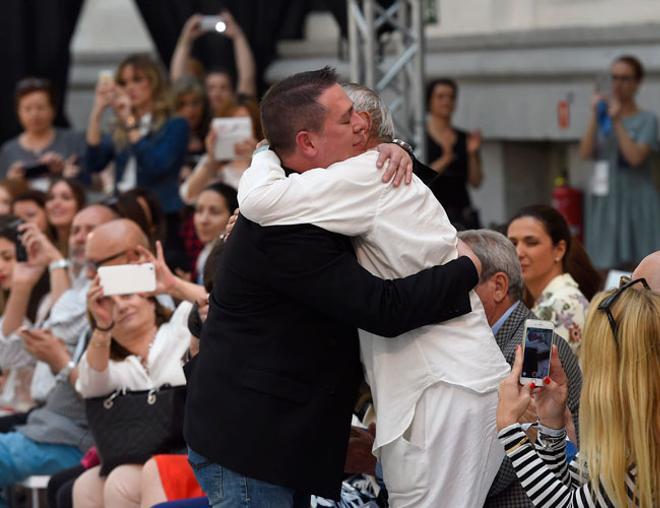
[(605, 305), (95, 265)]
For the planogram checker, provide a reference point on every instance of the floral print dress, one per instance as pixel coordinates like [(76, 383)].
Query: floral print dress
[(563, 303)]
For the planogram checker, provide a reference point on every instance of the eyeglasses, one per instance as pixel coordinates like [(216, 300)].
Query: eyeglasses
[(622, 77), (95, 265), (625, 283)]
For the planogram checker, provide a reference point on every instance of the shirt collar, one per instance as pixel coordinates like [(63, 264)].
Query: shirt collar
[(498, 324)]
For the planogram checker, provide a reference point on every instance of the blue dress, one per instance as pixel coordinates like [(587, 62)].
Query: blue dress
[(623, 226)]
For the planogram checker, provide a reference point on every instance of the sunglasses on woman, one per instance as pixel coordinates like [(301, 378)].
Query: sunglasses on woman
[(606, 304)]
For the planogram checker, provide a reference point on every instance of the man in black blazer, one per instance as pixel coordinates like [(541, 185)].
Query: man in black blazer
[(270, 397), (500, 290)]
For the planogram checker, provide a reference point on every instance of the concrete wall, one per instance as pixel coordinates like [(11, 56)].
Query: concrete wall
[(489, 16)]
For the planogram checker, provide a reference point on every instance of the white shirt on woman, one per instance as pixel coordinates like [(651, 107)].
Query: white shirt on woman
[(163, 363), (396, 232)]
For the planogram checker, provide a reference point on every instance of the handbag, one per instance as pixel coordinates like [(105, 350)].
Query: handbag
[(129, 427)]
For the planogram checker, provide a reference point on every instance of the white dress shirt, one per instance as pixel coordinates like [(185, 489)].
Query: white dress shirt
[(396, 232), (163, 365)]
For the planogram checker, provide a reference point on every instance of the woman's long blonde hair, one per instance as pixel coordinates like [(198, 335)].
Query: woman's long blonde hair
[(160, 92), (620, 401)]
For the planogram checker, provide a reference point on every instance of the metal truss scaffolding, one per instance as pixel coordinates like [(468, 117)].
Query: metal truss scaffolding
[(397, 74)]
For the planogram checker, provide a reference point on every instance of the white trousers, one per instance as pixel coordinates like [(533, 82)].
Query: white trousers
[(449, 455)]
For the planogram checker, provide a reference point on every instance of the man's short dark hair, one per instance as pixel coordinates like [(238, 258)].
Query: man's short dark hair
[(291, 106)]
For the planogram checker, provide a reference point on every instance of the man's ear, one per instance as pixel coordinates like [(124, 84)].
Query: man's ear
[(501, 282), (306, 143)]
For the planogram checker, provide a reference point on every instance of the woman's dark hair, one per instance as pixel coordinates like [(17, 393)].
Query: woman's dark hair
[(440, 81), (42, 287), (37, 196), (76, 189), (151, 221), (226, 71), (119, 352), (575, 261), (195, 322), (228, 193), (26, 86), (14, 187), (637, 67), (252, 106), (211, 265)]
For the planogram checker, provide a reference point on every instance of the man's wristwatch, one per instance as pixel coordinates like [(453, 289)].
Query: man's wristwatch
[(405, 146), (63, 375), (58, 264)]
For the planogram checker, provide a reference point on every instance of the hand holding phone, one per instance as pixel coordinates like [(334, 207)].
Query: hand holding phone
[(537, 343), (212, 24), (551, 401), (21, 251), (36, 170)]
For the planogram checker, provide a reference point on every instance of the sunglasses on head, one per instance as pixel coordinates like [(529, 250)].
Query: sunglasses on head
[(624, 283)]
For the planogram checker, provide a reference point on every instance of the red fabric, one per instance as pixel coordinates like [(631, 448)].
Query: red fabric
[(91, 458), (177, 477), (192, 245)]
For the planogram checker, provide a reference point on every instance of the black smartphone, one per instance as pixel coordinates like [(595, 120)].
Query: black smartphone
[(35, 170), (21, 253)]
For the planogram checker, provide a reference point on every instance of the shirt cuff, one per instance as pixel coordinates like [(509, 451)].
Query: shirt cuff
[(547, 431)]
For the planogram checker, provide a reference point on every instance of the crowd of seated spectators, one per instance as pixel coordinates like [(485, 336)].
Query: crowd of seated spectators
[(162, 197)]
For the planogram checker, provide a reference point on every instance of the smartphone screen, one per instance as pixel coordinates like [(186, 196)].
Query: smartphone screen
[(536, 361), (35, 171)]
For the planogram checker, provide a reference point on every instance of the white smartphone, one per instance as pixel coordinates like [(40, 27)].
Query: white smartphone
[(212, 24), (127, 279), (537, 344), (106, 76)]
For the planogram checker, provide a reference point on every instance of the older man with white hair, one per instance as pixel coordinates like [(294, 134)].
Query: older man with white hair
[(500, 289), (434, 388)]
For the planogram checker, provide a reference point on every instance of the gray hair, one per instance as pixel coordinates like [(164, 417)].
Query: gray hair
[(366, 100), (497, 254)]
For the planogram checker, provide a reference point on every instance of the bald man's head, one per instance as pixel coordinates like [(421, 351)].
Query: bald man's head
[(84, 223), (114, 243), (649, 269)]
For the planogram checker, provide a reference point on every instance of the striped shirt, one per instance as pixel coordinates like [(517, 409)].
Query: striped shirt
[(546, 477)]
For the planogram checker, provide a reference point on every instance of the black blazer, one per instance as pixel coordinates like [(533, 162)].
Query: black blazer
[(276, 377)]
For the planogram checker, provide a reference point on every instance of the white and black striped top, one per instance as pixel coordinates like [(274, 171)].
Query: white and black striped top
[(546, 477)]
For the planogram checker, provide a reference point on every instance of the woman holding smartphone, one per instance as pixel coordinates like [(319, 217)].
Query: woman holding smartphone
[(619, 459), (622, 207), (147, 144), (136, 345), (41, 149), (24, 287)]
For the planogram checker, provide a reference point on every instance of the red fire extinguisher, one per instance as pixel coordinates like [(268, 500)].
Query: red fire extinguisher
[(568, 201)]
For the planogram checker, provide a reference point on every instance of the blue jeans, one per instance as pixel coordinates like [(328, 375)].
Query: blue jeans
[(227, 489), (21, 457)]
